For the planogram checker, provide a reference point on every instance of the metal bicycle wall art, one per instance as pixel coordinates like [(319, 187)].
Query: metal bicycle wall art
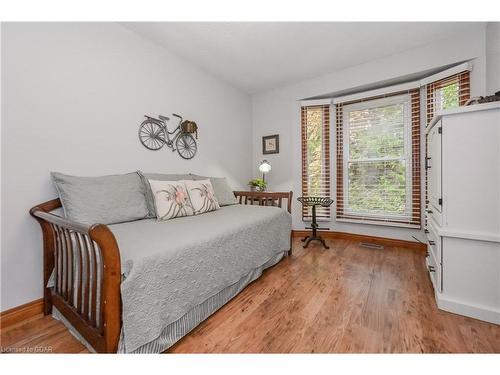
[(154, 134)]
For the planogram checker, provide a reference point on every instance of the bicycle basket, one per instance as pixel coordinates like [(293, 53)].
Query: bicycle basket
[(189, 127)]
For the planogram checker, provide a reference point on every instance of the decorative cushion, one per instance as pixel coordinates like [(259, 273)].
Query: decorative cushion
[(150, 199), (104, 200), (202, 196), (223, 191), (171, 199)]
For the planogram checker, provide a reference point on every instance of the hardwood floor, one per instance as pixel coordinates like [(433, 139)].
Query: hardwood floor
[(346, 299)]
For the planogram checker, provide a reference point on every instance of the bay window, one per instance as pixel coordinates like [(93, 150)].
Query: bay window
[(377, 177)]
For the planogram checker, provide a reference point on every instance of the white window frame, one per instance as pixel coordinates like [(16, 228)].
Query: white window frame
[(407, 155)]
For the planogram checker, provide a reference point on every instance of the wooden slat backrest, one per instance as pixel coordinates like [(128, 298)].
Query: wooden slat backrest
[(86, 262), (265, 198)]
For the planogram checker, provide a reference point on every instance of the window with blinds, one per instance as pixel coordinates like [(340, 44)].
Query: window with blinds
[(449, 92), (378, 159), (315, 130)]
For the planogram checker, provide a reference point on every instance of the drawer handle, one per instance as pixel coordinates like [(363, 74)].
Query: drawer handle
[(432, 243), (427, 166), (432, 269), (426, 231), (429, 211)]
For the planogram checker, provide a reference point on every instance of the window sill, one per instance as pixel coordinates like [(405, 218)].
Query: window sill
[(319, 220), (380, 223)]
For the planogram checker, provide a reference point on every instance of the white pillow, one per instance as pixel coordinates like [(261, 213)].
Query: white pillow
[(202, 196), (171, 199)]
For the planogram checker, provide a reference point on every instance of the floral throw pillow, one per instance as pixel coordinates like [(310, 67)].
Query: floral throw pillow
[(202, 196), (171, 199)]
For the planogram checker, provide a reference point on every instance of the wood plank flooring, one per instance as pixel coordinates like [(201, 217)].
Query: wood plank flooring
[(347, 299)]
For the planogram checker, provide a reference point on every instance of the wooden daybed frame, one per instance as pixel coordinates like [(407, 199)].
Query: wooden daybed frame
[(62, 238)]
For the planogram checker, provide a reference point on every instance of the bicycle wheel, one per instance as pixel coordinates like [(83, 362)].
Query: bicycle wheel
[(152, 134), (186, 146)]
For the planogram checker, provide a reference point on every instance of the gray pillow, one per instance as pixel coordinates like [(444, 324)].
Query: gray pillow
[(104, 200), (222, 190), (150, 200)]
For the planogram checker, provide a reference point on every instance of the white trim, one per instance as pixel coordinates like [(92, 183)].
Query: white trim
[(379, 222), (477, 236), (446, 73), (309, 103), (377, 92), (404, 86), (485, 313)]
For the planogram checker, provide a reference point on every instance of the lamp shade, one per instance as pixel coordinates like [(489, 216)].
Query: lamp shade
[(265, 166)]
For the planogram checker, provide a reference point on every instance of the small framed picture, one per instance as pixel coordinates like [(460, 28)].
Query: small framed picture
[(271, 144)]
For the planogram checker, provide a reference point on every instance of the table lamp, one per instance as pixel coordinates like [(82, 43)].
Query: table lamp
[(264, 167)]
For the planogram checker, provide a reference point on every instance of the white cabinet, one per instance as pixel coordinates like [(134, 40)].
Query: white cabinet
[(463, 211)]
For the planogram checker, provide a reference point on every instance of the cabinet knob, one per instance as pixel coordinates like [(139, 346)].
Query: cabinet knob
[(432, 269), (432, 243)]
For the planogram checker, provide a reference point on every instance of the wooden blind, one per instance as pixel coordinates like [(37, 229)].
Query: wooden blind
[(315, 130), (458, 90), (414, 218), (460, 93)]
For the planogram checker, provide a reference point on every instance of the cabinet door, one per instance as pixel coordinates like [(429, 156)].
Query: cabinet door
[(434, 166)]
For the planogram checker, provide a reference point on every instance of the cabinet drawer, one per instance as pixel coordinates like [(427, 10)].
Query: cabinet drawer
[(434, 270), (434, 244)]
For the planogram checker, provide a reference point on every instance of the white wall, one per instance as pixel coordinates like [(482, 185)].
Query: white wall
[(492, 57), (278, 112), (73, 96)]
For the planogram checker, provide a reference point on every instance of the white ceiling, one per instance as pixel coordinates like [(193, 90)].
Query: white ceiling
[(263, 55)]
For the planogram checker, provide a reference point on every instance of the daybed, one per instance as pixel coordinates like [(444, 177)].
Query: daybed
[(140, 286)]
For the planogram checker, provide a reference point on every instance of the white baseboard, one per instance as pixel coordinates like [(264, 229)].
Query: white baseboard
[(486, 313)]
